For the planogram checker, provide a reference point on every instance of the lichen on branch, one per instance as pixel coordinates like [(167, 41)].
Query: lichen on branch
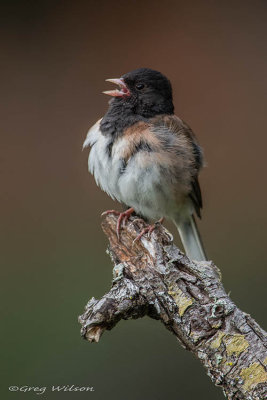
[(153, 277)]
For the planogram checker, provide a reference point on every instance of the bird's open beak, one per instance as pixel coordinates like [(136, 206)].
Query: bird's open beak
[(123, 91)]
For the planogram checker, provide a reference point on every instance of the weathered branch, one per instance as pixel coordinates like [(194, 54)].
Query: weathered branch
[(152, 277)]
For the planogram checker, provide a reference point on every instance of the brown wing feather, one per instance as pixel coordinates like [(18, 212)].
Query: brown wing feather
[(179, 127), (196, 197)]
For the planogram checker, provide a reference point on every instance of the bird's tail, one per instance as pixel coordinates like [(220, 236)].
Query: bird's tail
[(191, 239)]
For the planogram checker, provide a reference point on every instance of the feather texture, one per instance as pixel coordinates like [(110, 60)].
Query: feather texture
[(149, 162), (151, 167), (190, 238)]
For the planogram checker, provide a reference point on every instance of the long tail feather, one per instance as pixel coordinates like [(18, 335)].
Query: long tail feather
[(191, 239)]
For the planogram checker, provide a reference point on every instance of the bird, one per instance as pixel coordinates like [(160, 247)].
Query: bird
[(147, 158)]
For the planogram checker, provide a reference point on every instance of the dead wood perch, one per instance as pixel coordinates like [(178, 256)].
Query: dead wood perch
[(154, 278)]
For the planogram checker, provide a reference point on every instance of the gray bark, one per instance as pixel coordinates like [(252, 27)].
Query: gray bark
[(152, 277)]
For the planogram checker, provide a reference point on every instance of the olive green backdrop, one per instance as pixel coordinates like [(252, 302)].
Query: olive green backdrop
[(55, 56)]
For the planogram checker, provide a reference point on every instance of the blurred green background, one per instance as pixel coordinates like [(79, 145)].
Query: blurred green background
[(55, 56)]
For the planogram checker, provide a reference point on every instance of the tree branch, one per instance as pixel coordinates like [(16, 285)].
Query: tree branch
[(152, 277)]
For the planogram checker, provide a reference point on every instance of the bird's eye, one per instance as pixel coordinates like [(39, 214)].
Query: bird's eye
[(140, 86)]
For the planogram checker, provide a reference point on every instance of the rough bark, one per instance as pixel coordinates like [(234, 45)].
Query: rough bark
[(152, 277)]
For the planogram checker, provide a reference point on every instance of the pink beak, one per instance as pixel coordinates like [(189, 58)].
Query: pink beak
[(123, 91)]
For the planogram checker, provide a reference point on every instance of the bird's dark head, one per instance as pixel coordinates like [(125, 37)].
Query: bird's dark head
[(145, 91)]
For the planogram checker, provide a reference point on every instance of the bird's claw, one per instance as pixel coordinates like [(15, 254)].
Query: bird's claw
[(149, 229), (123, 217)]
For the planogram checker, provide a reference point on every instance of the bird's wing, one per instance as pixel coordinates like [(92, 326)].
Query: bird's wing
[(180, 130)]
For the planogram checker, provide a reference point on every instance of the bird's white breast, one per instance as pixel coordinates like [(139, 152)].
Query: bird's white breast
[(100, 164), (141, 184)]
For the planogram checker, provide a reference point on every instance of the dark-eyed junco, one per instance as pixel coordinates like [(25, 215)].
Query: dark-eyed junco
[(146, 157)]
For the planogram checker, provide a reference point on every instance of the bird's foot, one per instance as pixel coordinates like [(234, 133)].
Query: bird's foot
[(123, 217), (149, 229)]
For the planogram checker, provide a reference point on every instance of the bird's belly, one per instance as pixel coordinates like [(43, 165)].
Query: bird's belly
[(141, 182), (146, 189)]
